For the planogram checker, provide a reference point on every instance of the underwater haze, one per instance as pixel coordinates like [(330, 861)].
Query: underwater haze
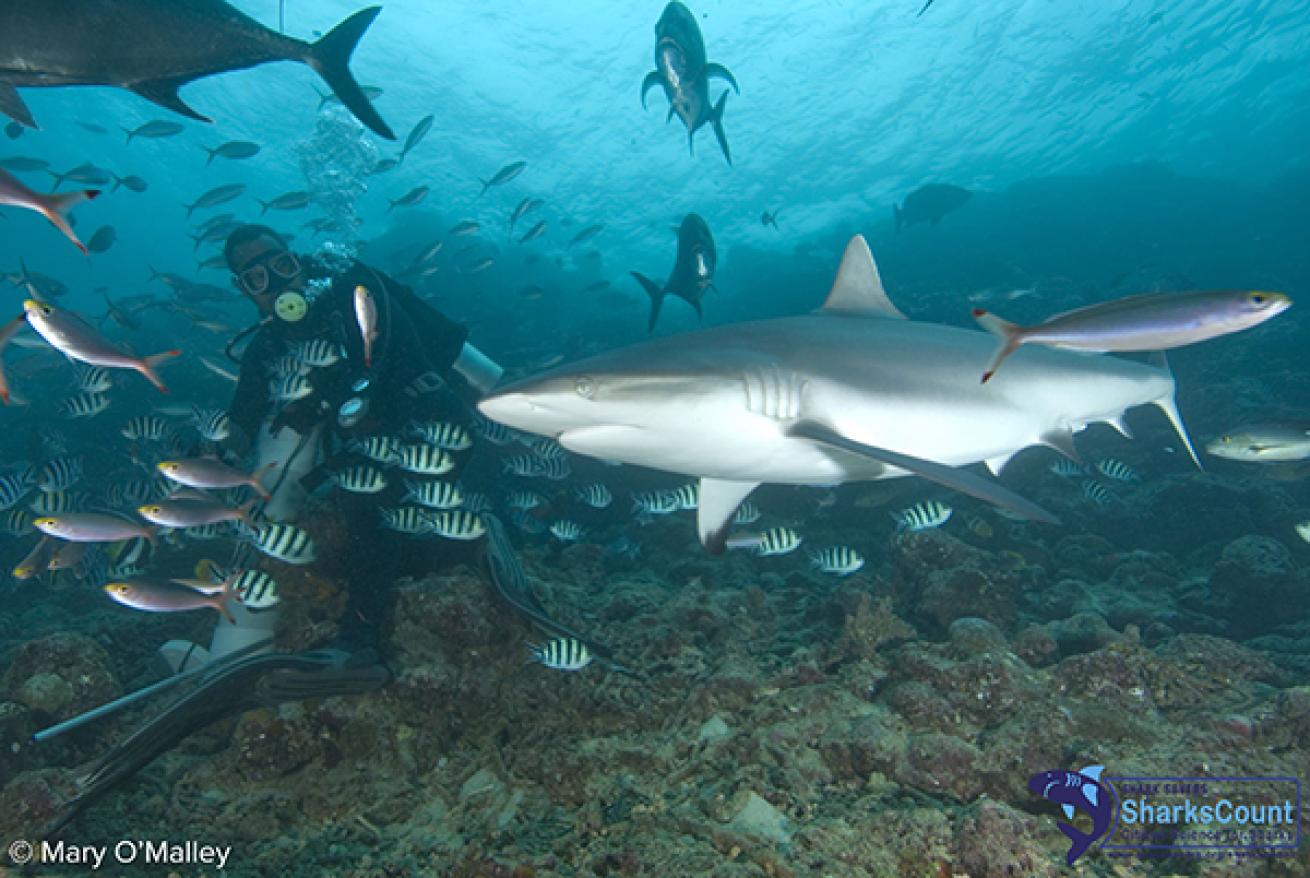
[(895, 475)]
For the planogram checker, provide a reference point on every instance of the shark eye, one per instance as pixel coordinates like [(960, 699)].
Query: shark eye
[(585, 387)]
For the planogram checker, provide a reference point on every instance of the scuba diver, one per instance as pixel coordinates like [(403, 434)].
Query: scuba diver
[(418, 365)]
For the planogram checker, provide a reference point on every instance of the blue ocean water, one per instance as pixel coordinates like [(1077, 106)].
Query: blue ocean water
[(1109, 148)]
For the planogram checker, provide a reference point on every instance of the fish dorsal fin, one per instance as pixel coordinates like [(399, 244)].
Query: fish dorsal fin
[(858, 289)]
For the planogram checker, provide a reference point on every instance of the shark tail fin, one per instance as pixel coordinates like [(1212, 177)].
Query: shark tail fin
[(656, 293), (716, 120), (1010, 335), (1081, 841), (1169, 405), (898, 217), (56, 209), (330, 58)]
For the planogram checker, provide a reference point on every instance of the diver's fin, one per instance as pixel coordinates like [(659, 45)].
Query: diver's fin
[(721, 72), (857, 288), (652, 79), (1009, 334), (11, 104), (656, 293), (716, 121), (952, 477), (1169, 406), (719, 499), (164, 93), (330, 58)]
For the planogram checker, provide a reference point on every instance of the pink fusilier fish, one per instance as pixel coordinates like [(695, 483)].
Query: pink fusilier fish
[(6, 333), (54, 207), (1149, 322), (91, 527), (366, 315), (76, 339), (167, 596), (193, 512), (210, 472)]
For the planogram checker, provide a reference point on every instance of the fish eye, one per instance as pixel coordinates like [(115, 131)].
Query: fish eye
[(585, 387)]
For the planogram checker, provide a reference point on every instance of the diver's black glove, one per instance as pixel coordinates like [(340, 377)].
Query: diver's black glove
[(302, 415)]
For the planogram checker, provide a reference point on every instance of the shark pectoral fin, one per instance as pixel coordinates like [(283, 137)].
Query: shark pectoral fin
[(719, 499), (722, 72), (857, 288), (1068, 811), (1062, 441), (716, 122), (656, 293), (11, 104), (1169, 406), (952, 477), (164, 93), (652, 79)]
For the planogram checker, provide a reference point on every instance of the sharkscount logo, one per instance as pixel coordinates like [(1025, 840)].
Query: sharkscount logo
[(1073, 792), (1210, 818)]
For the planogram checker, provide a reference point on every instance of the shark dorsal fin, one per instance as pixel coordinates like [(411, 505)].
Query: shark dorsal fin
[(858, 289)]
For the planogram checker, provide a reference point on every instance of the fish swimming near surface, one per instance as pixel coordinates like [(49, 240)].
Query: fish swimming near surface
[(693, 269), (410, 198), (503, 176), (683, 70), (928, 204), (1149, 322), (416, 135), (1264, 443), (54, 207), (233, 149), (1077, 791), (154, 47), (769, 219), (853, 392), (155, 130)]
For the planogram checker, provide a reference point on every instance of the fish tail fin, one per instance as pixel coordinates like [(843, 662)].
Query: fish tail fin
[(485, 187), (147, 368), (129, 132), (257, 479), (1010, 335), (264, 205), (1169, 405), (212, 152), (898, 217), (57, 207), (118, 181), (330, 58), (223, 600), (59, 178), (1081, 841), (245, 512), (716, 120), (656, 293)]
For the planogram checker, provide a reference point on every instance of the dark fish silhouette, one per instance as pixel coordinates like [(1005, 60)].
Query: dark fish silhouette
[(682, 69), (925, 8), (503, 176), (693, 269), (928, 204), (154, 47), (769, 219)]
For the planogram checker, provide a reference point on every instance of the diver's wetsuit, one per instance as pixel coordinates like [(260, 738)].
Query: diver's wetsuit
[(414, 340)]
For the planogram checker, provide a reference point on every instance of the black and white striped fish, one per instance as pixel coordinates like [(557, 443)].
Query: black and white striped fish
[(544, 446), (924, 515), (412, 520), (654, 502), (57, 502), (1097, 493), (561, 654), (525, 500), (775, 541), (597, 496), (457, 524), (747, 513), (360, 479), (493, 431), (60, 474), (16, 523), (521, 465), (423, 460), (1117, 470), (527, 522), (317, 352), (837, 560), (84, 405), (285, 366), (92, 379), (289, 388), (147, 427), (686, 497), (475, 501), (285, 542), (13, 488), (212, 424), (379, 449), (566, 531), (1067, 469), (134, 492), (443, 434), (433, 495), (256, 589)]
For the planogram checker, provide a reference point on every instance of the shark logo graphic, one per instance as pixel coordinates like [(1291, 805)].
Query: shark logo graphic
[(1077, 791)]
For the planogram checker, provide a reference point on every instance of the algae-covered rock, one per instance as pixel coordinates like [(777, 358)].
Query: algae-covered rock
[(1255, 586), (48, 693), (61, 675), (757, 817)]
